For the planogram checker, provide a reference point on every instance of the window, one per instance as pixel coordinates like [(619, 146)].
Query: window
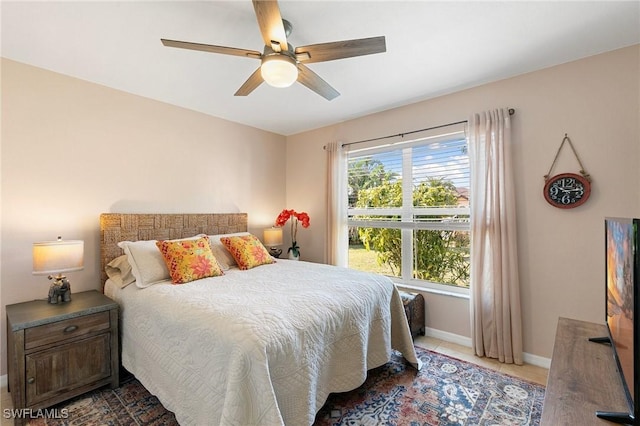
[(408, 211)]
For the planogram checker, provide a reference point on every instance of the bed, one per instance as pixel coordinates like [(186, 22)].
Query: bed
[(263, 346)]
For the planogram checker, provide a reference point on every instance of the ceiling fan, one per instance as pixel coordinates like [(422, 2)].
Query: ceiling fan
[(282, 65)]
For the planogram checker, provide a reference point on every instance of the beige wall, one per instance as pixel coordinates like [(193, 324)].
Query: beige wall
[(72, 150), (594, 100)]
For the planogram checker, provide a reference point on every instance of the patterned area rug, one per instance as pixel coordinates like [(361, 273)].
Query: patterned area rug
[(446, 391)]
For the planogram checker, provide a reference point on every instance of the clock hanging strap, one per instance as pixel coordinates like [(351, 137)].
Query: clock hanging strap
[(582, 171)]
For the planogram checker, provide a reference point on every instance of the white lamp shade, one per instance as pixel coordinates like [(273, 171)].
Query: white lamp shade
[(273, 237), (279, 70), (53, 257)]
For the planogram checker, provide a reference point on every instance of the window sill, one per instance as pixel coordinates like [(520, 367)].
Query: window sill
[(442, 290)]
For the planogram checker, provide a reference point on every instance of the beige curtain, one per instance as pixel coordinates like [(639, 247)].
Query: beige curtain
[(336, 233), (496, 325)]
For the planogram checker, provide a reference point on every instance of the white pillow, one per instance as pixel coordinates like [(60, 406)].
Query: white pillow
[(147, 264), (220, 252), (119, 271)]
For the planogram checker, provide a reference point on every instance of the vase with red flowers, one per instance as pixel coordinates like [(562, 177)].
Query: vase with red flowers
[(303, 219)]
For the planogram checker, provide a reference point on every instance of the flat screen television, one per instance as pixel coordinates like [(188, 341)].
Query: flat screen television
[(622, 273)]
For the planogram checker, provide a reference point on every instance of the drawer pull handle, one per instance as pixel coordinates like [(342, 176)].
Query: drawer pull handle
[(70, 329), (31, 380)]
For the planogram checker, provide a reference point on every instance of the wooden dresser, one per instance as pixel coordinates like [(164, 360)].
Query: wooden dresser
[(583, 377), (56, 352)]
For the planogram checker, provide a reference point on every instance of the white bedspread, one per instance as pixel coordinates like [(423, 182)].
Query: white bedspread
[(260, 347)]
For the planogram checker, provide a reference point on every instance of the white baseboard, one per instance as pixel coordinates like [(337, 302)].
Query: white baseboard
[(536, 360), (448, 337)]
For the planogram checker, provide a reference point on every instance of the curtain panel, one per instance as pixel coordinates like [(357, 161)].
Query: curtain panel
[(496, 324), (337, 243)]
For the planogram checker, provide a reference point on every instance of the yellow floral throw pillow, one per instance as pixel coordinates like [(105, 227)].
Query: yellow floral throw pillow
[(247, 250), (189, 260)]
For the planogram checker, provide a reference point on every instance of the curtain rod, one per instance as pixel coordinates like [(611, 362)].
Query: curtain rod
[(511, 112)]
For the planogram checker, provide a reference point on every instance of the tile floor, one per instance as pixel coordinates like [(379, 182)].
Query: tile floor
[(5, 402)]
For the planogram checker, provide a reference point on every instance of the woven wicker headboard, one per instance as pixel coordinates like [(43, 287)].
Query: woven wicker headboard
[(116, 227)]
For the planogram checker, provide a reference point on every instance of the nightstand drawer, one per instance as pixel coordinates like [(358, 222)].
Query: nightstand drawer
[(57, 332)]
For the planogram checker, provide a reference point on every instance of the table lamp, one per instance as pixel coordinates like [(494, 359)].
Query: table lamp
[(272, 239), (56, 257)]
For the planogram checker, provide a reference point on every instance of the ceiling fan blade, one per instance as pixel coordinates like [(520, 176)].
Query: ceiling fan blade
[(340, 49), (270, 23), (212, 49), (251, 84), (315, 83)]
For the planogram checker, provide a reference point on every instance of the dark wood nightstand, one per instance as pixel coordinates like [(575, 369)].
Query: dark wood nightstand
[(56, 352)]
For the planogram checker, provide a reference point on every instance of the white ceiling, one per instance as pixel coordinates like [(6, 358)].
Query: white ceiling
[(433, 48)]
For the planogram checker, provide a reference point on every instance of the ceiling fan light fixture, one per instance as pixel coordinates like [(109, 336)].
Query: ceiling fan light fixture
[(279, 70)]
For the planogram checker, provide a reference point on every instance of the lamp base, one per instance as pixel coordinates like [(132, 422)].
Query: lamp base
[(275, 252), (60, 290)]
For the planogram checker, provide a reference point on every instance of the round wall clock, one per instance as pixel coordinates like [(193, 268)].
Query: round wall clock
[(567, 190)]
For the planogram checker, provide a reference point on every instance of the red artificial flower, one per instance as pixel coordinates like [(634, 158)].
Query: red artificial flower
[(283, 217), (295, 217), (304, 218)]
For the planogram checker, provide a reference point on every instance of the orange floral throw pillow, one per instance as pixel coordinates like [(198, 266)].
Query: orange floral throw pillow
[(247, 250), (189, 260)]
